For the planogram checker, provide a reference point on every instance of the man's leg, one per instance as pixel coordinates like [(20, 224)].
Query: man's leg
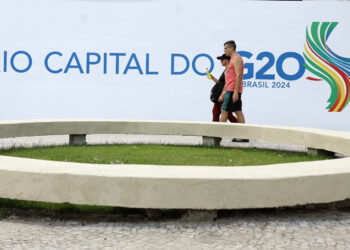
[(240, 116), (224, 115)]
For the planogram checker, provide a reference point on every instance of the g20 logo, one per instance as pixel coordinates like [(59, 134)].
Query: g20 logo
[(325, 64), (261, 73)]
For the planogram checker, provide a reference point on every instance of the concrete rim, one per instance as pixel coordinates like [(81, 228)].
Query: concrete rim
[(151, 186)]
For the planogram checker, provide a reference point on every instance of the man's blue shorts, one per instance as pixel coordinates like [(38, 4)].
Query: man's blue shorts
[(228, 105)]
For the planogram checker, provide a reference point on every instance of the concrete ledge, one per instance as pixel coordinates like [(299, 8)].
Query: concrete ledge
[(167, 187)]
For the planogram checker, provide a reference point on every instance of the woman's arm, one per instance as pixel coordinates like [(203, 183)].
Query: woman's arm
[(214, 79)]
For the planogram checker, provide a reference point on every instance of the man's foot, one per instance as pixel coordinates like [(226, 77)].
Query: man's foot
[(240, 140)]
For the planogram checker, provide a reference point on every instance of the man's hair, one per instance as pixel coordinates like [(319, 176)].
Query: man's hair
[(231, 44)]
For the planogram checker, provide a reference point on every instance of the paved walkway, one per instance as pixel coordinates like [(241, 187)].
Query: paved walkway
[(293, 229)]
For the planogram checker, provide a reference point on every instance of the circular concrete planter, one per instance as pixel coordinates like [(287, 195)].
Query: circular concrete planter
[(187, 187)]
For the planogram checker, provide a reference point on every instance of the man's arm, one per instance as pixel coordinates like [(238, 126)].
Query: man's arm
[(237, 63)]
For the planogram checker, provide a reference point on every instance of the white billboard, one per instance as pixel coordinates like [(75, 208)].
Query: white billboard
[(147, 59)]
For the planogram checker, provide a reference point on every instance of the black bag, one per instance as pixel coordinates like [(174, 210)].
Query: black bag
[(216, 91)]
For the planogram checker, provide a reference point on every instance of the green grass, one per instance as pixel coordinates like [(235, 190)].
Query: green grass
[(47, 206), (161, 155)]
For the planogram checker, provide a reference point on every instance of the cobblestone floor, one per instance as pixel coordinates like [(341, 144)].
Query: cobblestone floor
[(254, 229)]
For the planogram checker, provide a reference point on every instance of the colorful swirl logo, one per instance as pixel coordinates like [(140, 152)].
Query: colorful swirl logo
[(324, 63)]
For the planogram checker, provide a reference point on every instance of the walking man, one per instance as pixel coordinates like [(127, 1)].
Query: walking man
[(231, 95)]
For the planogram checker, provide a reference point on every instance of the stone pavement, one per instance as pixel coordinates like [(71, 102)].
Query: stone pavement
[(253, 229)]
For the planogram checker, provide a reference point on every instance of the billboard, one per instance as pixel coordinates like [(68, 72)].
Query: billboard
[(147, 59)]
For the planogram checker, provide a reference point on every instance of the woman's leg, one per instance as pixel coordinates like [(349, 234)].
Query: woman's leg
[(232, 118), (216, 112)]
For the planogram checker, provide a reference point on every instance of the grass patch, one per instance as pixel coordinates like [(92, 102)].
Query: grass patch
[(162, 155), (10, 207), (56, 207)]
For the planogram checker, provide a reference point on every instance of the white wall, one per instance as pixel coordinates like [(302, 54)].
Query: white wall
[(160, 29)]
